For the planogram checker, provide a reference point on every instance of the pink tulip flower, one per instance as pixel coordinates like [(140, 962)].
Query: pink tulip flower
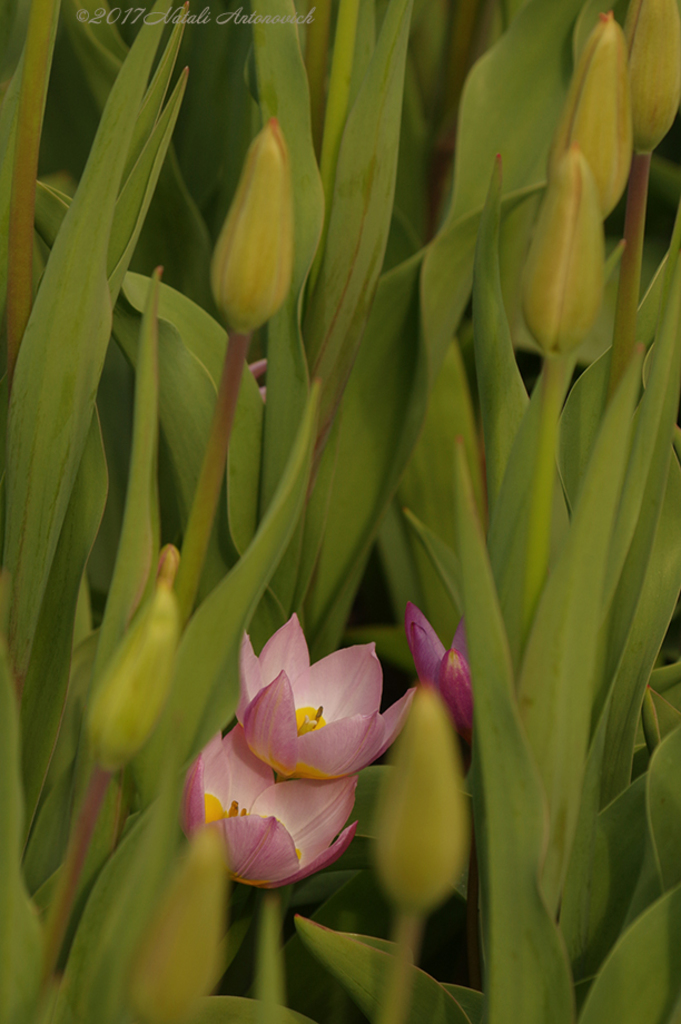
[(447, 671), (274, 833), (318, 721)]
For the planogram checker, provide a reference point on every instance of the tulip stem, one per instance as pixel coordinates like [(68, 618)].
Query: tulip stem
[(204, 506), (624, 336), (397, 995), (336, 114), (552, 383), (316, 60), (79, 843)]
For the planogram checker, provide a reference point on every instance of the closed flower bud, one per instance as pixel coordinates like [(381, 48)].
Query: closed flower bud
[(253, 258), (653, 32), (563, 279), (134, 688), (178, 958), (597, 112), (422, 819)]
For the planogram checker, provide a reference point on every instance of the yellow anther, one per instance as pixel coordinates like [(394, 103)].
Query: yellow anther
[(243, 812), (308, 719), (233, 810)]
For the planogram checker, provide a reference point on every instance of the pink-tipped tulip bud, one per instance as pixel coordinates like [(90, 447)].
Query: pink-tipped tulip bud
[(653, 33), (597, 113), (422, 824), (131, 695), (178, 958), (447, 671), (563, 279), (253, 258)]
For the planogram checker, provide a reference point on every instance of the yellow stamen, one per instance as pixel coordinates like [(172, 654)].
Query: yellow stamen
[(308, 719), (214, 809), (233, 810)]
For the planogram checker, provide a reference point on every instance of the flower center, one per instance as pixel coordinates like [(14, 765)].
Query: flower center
[(215, 811), (308, 719)]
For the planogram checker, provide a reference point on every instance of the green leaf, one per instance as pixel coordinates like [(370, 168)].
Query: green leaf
[(526, 969), (47, 678), (359, 217), (206, 682), (470, 1001), (363, 971), (445, 560), (239, 1010), (269, 972), (663, 801), (640, 981), (20, 936), (61, 359), (503, 398), (556, 680)]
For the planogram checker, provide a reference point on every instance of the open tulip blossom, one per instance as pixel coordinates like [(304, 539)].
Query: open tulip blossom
[(274, 832), (318, 721), (447, 671)]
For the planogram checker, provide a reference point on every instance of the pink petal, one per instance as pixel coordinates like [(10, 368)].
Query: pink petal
[(313, 812), (259, 850), (236, 774), (459, 642), (250, 677), (335, 749), (426, 647), (285, 651), (325, 858), (193, 803), (270, 725), (348, 682), (455, 687)]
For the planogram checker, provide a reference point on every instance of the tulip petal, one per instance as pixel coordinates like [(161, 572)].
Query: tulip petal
[(313, 812), (393, 719), (348, 682), (325, 858), (193, 801), (425, 645), (285, 651), (270, 725), (259, 850), (335, 749), (250, 677), (455, 687), (236, 774), (459, 642)]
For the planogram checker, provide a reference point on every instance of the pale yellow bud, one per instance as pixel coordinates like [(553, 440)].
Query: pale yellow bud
[(423, 826), (131, 695), (653, 33), (178, 958), (563, 278), (597, 113), (253, 258)]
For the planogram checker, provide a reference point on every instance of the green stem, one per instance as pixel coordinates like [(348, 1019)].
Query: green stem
[(624, 337), (336, 113), (397, 997), (204, 506), (316, 61), (34, 78), (541, 501), (60, 910)]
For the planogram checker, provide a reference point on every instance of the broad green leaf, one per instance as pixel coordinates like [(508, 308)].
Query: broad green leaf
[(640, 982), (359, 217), (239, 1010), (503, 398), (47, 678), (391, 643), (470, 1001), (364, 971), (593, 912), (20, 936), (99, 48), (138, 547), (665, 678), (369, 782), (556, 679), (206, 682), (664, 808), (527, 975), (283, 93), (61, 358), (659, 718), (443, 558)]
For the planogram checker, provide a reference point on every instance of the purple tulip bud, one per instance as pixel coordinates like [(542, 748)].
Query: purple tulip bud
[(447, 671)]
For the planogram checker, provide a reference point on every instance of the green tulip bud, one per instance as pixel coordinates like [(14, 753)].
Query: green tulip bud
[(178, 958), (422, 818), (653, 32), (133, 690), (253, 258), (563, 277), (597, 112)]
